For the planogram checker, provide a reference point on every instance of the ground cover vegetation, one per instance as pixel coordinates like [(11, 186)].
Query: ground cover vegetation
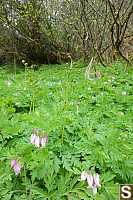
[(58, 128)]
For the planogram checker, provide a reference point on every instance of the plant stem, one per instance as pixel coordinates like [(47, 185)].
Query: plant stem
[(66, 107), (25, 73), (33, 95), (30, 106)]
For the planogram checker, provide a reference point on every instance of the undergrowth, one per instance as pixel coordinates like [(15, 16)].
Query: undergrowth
[(97, 133)]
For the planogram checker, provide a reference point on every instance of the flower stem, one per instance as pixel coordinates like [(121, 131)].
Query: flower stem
[(30, 106), (33, 95), (66, 106)]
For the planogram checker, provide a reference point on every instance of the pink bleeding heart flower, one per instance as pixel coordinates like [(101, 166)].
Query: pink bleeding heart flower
[(36, 129), (45, 137), (123, 93), (32, 139), (96, 180), (94, 189), (90, 181), (83, 176), (17, 168), (113, 78), (9, 83), (43, 141), (13, 162), (37, 141)]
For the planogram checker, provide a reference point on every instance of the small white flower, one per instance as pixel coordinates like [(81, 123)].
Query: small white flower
[(90, 181), (71, 103), (94, 189), (43, 142), (123, 93), (9, 83), (96, 180), (83, 176), (32, 139), (17, 103), (37, 141)]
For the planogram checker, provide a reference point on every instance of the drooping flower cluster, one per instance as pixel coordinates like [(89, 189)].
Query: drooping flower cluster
[(16, 166), (93, 181), (38, 141)]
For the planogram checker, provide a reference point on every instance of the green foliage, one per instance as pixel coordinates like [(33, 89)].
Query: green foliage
[(98, 137)]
